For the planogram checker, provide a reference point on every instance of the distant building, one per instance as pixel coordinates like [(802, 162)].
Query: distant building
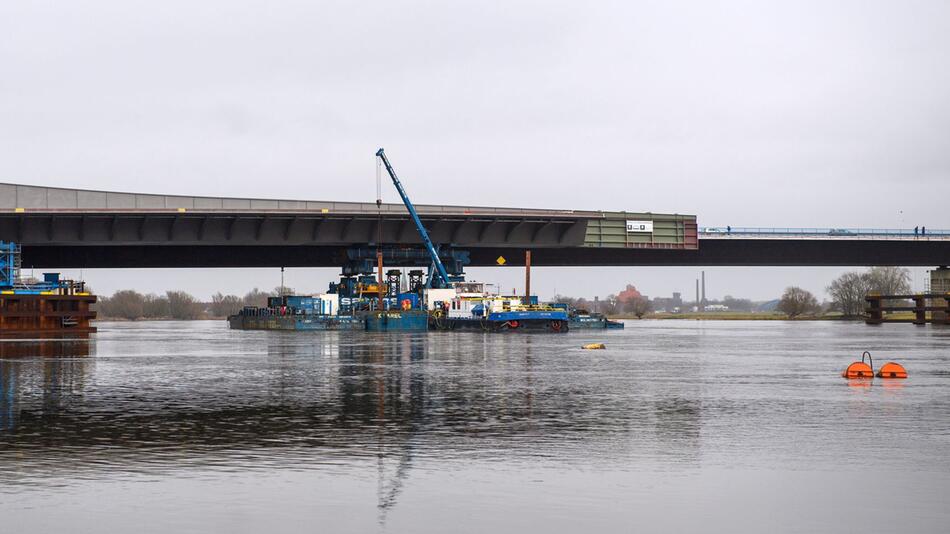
[(629, 294), (669, 305)]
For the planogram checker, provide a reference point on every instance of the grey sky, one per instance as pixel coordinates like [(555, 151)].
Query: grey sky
[(744, 113)]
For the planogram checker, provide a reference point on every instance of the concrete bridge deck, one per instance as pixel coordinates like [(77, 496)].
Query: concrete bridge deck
[(47, 216), (70, 228)]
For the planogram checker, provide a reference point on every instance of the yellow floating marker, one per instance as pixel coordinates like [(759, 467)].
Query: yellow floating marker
[(595, 346), (892, 370)]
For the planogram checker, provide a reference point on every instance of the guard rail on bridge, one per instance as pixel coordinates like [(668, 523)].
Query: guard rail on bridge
[(745, 232)]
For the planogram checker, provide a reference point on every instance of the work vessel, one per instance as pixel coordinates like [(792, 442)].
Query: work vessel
[(413, 300)]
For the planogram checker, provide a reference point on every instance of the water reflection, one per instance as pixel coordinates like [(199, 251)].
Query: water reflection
[(321, 400), (45, 348), (50, 373), (177, 400)]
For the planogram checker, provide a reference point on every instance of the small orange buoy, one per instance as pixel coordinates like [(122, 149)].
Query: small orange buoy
[(595, 346), (892, 370), (860, 369)]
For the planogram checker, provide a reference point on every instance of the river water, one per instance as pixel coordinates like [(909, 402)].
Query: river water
[(678, 426)]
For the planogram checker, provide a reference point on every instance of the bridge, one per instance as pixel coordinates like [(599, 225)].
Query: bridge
[(888, 234), (75, 228)]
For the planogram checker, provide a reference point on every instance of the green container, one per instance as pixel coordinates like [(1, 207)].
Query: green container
[(623, 229)]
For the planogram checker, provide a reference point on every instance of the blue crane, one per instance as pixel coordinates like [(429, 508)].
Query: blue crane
[(433, 253)]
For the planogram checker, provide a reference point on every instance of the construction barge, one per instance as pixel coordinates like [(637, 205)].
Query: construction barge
[(41, 309), (438, 300), (464, 306)]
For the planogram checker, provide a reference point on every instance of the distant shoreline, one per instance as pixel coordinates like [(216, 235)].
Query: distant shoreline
[(149, 319), (708, 316), (733, 316)]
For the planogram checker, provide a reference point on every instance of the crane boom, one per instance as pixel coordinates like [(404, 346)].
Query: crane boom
[(440, 269)]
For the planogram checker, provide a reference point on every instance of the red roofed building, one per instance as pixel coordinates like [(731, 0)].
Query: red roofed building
[(628, 294)]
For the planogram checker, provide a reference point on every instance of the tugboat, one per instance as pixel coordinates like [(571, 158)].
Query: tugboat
[(468, 306), (583, 319), (41, 309)]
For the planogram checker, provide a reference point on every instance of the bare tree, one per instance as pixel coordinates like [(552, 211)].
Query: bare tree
[(256, 297), (155, 307), (638, 306), (848, 292), (281, 291), (737, 304), (183, 306), (609, 306), (225, 305), (797, 301), (888, 280), (125, 304)]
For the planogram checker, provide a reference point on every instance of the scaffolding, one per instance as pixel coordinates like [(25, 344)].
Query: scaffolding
[(10, 263)]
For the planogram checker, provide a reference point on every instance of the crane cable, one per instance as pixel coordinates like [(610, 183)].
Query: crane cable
[(379, 229)]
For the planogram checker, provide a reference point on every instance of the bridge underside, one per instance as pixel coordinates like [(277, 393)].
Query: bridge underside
[(71, 228), (719, 252), (270, 229)]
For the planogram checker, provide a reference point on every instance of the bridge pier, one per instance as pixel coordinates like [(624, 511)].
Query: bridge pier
[(940, 284)]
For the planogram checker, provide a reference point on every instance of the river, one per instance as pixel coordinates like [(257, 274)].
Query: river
[(678, 426)]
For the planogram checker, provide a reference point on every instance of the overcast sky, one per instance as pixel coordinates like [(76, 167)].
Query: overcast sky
[(755, 113)]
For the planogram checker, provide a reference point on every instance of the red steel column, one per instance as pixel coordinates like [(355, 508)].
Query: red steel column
[(527, 277)]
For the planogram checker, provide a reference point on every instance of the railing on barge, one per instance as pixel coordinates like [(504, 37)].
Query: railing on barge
[(931, 308)]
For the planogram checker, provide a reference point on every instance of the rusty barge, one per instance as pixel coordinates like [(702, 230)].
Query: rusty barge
[(41, 309)]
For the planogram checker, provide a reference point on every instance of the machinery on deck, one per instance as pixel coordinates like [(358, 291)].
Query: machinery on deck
[(439, 299)]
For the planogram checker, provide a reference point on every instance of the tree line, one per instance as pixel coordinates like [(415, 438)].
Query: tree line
[(847, 298), (132, 305), (612, 305), (847, 292)]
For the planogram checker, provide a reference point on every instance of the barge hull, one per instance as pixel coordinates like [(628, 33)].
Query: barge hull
[(294, 323), (401, 321), (25, 315)]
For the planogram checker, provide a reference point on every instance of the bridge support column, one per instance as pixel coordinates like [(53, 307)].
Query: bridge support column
[(940, 284), (920, 314), (875, 315)]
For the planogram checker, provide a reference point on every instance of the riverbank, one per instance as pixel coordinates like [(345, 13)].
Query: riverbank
[(148, 319), (736, 316)]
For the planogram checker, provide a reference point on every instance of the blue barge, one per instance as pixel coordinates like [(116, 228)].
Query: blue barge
[(465, 306)]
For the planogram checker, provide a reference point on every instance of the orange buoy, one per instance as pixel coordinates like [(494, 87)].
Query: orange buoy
[(860, 369), (892, 370)]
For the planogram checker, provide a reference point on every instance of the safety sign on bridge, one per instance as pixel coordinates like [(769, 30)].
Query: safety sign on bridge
[(640, 226)]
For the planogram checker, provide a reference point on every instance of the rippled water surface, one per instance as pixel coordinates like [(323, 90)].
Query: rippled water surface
[(679, 426)]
